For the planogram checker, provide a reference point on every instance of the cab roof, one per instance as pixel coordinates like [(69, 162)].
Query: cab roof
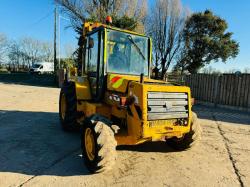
[(90, 27)]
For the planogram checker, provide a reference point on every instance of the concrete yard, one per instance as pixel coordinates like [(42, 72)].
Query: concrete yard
[(34, 151)]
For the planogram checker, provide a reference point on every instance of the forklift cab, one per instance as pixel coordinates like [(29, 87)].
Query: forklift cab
[(111, 51)]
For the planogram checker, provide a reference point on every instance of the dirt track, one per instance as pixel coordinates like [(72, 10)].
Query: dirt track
[(34, 151)]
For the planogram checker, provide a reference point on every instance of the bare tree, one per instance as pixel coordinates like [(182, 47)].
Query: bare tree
[(31, 47), (3, 46), (25, 52), (78, 10), (46, 51), (181, 63), (75, 10), (14, 55), (165, 25), (136, 9), (70, 59), (99, 9)]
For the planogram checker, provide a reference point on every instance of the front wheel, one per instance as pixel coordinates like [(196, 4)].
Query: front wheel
[(190, 139), (68, 107), (98, 146)]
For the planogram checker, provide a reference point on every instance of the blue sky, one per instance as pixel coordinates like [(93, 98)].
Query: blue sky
[(34, 18)]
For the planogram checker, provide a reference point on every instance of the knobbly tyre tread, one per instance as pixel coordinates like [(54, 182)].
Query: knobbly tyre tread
[(105, 149), (190, 139), (70, 121)]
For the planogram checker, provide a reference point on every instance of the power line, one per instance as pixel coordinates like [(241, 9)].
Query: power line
[(41, 19)]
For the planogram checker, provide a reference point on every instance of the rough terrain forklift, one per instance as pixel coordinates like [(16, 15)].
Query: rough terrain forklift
[(114, 101)]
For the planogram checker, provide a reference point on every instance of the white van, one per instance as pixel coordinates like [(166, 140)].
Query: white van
[(42, 67)]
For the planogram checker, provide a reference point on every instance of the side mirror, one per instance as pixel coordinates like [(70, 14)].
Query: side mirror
[(91, 43)]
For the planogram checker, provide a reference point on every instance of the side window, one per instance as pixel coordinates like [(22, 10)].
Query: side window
[(93, 62), (101, 67), (95, 65), (93, 53), (85, 66)]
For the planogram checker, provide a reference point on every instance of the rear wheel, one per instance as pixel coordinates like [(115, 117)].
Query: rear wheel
[(98, 146), (190, 139), (68, 107)]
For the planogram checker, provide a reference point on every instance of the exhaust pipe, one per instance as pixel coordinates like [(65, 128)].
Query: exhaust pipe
[(142, 78)]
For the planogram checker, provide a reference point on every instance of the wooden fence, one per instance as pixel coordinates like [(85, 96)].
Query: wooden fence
[(226, 89)]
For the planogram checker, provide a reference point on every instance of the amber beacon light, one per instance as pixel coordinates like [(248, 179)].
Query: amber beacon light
[(108, 20)]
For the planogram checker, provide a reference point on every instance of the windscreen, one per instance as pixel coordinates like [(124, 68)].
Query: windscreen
[(127, 53), (36, 66)]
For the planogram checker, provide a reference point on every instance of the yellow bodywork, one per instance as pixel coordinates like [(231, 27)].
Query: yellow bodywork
[(82, 88), (138, 128)]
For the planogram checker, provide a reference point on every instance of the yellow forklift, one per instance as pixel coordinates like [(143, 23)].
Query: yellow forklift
[(114, 101)]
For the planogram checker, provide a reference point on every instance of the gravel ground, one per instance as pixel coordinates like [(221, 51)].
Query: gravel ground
[(34, 151)]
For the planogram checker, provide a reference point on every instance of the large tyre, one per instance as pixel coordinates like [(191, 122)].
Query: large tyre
[(68, 107), (190, 139), (98, 146)]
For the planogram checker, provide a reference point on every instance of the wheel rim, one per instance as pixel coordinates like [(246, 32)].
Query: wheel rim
[(63, 106), (89, 144)]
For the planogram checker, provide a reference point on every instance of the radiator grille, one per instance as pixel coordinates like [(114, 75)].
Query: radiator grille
[(163, 105)]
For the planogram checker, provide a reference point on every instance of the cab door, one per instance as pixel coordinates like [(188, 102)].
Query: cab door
[(95, 70)]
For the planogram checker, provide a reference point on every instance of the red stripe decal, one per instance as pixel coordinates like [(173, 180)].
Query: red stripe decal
[(113, 80)]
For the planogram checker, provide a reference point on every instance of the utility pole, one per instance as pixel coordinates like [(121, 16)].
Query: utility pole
[(59, 41), (59, 38), (55, 29)]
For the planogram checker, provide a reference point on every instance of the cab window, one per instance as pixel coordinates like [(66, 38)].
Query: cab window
[(94, 69), (127, 53)]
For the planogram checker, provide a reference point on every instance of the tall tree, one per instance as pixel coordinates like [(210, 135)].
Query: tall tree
[(69, 60), (46, 51), (206, 41), (165, 26), (96, 10), (31, 47), (3, 46), (14, 54)]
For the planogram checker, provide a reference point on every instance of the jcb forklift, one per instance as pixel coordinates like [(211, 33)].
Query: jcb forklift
[(114, 101)]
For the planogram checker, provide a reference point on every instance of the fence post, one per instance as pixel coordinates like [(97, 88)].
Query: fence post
[(217, 89)]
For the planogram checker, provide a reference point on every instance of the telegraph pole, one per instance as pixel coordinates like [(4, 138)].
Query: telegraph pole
[(55, 45), (59, 42)]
